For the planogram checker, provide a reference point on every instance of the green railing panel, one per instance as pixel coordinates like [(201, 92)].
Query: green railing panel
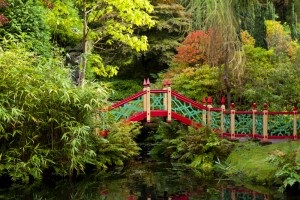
[(228, 195), (227, 123), (298, 124), (128, 109), (259, 124), (280, 125), (243, 123), (157, 101), (216, 120), (188, 111)]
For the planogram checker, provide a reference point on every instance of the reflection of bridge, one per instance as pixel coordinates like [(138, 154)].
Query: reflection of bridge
[(166, 103), (224, 194)]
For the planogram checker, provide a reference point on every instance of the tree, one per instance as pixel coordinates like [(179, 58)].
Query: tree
[(64, 21), (220, 17), (27, 22), (3, 19), (172, 25), (194, 48), (113, 20)]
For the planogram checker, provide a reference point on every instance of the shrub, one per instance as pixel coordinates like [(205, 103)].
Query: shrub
[(47, 123)]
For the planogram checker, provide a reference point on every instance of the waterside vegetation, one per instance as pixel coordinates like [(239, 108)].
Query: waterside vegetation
[(57, 59)]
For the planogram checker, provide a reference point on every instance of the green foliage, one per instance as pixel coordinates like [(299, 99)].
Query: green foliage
[(194, 82), (27, 23), (98, 67), (47, 123), (269, 78), (109, 23), (124, 88), (288, 169), (119, 146), (197, 148), (274, 164), (172, 23), (64, 22)]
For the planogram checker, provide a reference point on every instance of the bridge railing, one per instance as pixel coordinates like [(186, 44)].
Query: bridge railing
[(255, 124), (127, 107), (231, 123)]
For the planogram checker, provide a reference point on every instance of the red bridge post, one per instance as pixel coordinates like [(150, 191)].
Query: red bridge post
[(222, 115), (145, 96), (169, 102), (295, 124), (204, 113), (209, 106), (165, 95), (265, 124), (232, 122), (148, 93)]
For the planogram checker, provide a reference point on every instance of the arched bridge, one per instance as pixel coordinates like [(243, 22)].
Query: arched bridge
[(166, 103)]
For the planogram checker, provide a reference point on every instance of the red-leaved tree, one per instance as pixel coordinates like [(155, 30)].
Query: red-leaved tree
[(201, 47), (3, 19), (194, 48)]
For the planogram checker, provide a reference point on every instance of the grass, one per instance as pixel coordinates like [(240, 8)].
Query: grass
[(251, 159)]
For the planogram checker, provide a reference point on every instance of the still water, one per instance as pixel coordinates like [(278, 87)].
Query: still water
[(145, 180)]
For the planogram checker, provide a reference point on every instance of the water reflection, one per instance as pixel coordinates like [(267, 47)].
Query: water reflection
[(144, 181)]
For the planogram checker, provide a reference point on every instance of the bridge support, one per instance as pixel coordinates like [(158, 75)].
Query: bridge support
[(232, 123), (265, 125), (169, 103), (209, 106), (295, 124), (222, 115), (148, 103), (204, 112)]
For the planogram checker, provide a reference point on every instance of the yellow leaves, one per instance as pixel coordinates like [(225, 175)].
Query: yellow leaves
[(247, 39), (280, 40), (100, 69)]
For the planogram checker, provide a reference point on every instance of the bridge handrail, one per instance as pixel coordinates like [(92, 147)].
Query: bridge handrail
[(158, 91), (187, 100), (128, 99), (261, 113)]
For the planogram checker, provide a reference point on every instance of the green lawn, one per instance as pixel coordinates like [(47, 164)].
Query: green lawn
[(251, 159)]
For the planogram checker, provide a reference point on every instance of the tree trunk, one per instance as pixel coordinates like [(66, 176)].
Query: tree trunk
[(84, 48)]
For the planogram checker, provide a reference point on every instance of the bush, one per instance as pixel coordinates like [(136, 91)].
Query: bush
[(124, 88), (27, 23), (197, 148), (47, 123)]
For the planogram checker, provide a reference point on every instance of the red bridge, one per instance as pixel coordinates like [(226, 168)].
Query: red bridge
[(166, 103)]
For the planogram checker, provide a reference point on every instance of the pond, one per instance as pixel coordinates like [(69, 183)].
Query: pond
[(145, 180)]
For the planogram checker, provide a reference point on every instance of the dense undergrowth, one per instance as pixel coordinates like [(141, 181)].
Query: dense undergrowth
[(195, 148), (47, 124), (272, 165)]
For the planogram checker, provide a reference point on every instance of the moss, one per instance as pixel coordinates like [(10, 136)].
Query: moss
[(251, 159)]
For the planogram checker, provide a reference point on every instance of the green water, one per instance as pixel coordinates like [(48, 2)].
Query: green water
[(144, 180)]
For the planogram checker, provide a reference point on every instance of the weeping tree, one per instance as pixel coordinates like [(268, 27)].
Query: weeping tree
[(225, 20), (221, 19)]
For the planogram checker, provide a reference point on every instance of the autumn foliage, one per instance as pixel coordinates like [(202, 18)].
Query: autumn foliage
[(3, 19), (201, 47), (194, 47)]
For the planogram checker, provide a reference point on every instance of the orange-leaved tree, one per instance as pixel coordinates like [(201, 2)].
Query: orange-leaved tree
[(194, 48), (201, 47), (3, 19)]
